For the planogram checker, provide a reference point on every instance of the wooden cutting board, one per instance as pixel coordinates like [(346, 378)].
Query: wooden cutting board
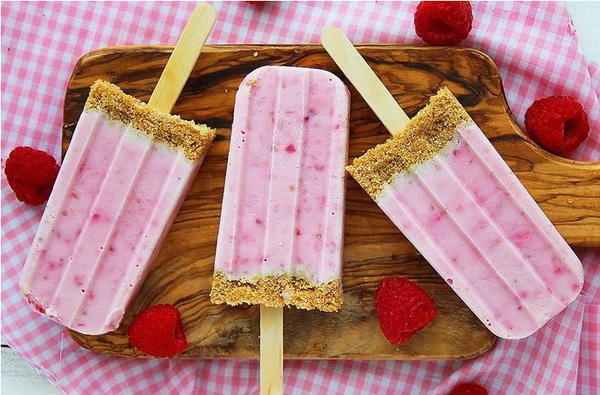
[(566, 190)]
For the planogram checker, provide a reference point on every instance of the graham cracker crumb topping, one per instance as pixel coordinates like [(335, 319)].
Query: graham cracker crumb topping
[(277, 291), (194, 140), (425, 136)]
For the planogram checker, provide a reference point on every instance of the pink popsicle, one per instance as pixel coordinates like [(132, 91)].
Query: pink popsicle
[(448, 190), (281, 233), (120, 186)]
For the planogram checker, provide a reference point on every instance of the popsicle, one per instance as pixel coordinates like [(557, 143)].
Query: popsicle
[(122, 181), (443, 184), (280, 238)]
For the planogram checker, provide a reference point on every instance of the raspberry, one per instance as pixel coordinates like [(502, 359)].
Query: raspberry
[(158, 331), (31, 174), (468, 389), (557, 123), (443, 22), (401, 337), (403, 308)]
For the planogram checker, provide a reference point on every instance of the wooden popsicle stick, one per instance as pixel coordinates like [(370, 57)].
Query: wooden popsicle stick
[(271, 350), (364, 79), (184, 57)]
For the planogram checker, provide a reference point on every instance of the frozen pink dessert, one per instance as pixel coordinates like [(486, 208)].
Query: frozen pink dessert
[(120, 186), (281, 234), (447, 189)]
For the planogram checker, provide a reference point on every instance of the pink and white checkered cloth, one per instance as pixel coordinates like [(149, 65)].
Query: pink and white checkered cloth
[(533, 44)]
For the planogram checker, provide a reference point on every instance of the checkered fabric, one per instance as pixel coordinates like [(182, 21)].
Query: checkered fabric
[(536, 50)]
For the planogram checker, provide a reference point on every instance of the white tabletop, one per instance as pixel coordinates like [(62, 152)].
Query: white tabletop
[(18, 378)]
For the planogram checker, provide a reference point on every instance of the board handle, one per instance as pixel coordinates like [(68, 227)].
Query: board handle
[(184, 57), (364, 79), (271, 350)]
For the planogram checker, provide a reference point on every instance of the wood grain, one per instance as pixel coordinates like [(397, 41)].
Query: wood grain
[(566, 190)]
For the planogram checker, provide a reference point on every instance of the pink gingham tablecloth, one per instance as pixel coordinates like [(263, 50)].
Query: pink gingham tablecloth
[(534, 45)]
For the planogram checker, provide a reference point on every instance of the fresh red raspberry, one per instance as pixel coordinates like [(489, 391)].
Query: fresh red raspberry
[(401, 337), (31, 174), (158, 331), (443, 22), (557, 123), (402, 308), (468, 389)]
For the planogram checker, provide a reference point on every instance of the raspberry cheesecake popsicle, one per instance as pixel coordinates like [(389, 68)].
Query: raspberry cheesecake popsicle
[(280, 238), (281, 232), (448, 190), (124, 177)]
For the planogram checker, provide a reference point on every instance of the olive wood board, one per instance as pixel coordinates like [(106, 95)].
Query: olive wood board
[(374, 248)]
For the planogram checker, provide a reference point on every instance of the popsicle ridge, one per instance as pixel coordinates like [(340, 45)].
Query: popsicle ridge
[(194, 140), (277, 291), (425, 135)]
